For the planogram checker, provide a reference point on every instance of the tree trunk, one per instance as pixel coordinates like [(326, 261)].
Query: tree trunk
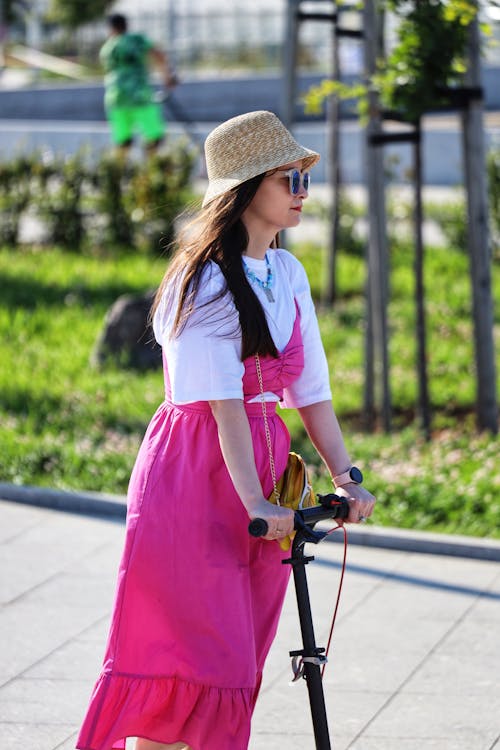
[(333, 112), (290, 62), (479, 243), (423, 391), (3, 33), (376, 351)]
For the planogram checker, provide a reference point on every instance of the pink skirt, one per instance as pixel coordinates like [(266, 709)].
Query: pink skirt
[(198, 599)]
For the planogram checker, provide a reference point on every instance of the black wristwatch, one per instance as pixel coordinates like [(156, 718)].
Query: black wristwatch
[(353, 475)]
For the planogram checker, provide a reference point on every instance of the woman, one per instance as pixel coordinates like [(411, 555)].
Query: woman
[(198, 599)]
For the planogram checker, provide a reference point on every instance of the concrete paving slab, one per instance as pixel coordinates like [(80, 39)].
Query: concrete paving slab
[(33, 632), (69, 590), (381, 651), (48, 702), (101, 563), (415, 605), (403, 743), (22, 577), (36, 737), (423, 566), (76, 660), (438, 716), (477, 674), (274, 739), (349, 668), (486, 610), (30, 551), (413, 660), (69, 743), (16, 520), (97, 632), (290, 717)]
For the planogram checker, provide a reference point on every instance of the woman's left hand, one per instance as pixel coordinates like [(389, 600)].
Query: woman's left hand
[(361, 502)]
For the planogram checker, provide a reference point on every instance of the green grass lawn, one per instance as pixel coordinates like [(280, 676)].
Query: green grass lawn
[(68, 425)]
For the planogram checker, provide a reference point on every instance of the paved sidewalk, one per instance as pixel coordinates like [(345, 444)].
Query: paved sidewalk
[(415, 661)]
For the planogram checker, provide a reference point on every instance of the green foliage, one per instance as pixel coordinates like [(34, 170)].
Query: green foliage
[(429, 54), (74, 13), (67, 425), (451, 218), (60, 203), (315, 97), (112, 175), (87, 206), (427, 57), (493, 166), (461, 498), (157, 195), (15, 195), (349, 240)]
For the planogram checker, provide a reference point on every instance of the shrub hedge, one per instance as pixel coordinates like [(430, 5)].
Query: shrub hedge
[(85, 204)]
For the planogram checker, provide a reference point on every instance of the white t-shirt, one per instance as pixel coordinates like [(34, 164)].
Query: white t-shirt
[(204, 360)]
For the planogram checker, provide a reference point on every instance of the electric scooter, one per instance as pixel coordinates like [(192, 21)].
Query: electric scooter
[(311, 657)]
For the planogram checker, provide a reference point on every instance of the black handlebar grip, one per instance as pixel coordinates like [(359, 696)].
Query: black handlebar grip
[(258, 527), (343, 510), (330, 506), (336, 503)]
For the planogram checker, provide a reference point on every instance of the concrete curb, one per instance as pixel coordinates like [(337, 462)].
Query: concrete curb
[(89, 503), (423, 542), (114, 507)]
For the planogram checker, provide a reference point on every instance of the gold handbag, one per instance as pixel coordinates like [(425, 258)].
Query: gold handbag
[(293, 489)]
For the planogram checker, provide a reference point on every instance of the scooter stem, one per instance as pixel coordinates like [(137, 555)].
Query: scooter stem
[(310, 653)]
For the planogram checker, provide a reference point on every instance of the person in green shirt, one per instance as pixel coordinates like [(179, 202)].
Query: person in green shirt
[(129, 96)]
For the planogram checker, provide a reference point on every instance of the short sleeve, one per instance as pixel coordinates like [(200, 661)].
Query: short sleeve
[(313, 384), (204, 359)]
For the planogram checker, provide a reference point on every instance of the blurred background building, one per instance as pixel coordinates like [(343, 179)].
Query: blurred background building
[(229, 56), (208, 34)]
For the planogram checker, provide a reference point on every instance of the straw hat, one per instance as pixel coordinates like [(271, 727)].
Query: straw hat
[(248, 145)]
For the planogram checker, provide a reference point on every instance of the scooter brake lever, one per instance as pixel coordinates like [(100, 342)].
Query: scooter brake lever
[(308, 534)]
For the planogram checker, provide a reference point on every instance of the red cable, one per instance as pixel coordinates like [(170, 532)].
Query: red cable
[(335, 528)]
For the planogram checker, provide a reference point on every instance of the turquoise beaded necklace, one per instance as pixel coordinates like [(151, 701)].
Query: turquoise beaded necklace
[(265, 285)]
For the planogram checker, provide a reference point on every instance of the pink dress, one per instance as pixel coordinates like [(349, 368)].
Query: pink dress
[(198, 599)]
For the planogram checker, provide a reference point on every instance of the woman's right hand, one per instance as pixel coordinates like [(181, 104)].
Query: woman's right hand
[(237, 449), (280, 520)]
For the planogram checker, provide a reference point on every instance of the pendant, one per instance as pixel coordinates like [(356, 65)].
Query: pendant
[(269, 294)]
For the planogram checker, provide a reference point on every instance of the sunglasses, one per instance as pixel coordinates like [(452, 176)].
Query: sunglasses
[(296, 178)]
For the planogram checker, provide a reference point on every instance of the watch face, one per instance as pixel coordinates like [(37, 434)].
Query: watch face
[(356, 475)]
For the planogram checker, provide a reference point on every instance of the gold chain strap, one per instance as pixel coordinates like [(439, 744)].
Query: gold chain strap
[(266, 428)]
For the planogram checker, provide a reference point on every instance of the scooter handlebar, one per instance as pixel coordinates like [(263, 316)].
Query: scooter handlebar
[(330, 506)]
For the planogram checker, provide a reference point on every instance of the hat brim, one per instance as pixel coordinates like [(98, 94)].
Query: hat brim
[(218, 187)]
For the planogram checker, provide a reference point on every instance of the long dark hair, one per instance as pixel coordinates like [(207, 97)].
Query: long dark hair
[(218, 234)]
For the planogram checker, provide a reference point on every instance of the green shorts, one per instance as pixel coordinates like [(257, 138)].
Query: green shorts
[(147, 120)]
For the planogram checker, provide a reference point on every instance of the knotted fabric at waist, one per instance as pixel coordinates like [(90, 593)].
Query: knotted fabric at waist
[(253, 409)]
